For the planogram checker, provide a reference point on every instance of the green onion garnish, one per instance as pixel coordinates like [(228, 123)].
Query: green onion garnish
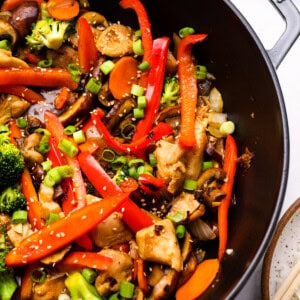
[(138, 113), (152, 160), (141, 102), (52, 217), (127, 131), (186, 31), (46, 165), (138, 47), (138, 33), (5, 44), (126, 289), (79, 136), (38, 275), (190, 184), (21, 122), (19, 216), (75, 72), (46, 63), (227, 127), (177, 217), (207, 165), (180, 231), (137, 90), (89, 275), (56, 174), (108, 155), (200, 72), (107, 67), (144, 66), (69, 130), (67, 147), (93, 85)]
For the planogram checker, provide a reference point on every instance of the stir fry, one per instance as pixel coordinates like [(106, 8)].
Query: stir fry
[(117, 161)]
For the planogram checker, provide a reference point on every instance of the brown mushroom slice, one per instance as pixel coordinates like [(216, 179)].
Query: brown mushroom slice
[(209, 175), (120, 270), (78, 111), (158, 243), (105, 96), (95, 19), (115, 41), (18, 232), (171, 64), (188, 269), (7, 32), (9, 61), (19, 107), (23, 16), (57, 256), (111, 231), (31, 142)]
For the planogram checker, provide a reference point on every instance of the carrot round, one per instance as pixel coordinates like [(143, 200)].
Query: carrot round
[(201, 279), (63, 9), (123, 76), (62, 98)]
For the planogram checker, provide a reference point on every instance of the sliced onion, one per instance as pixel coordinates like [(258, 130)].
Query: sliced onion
[(201, 230), (215, 100)]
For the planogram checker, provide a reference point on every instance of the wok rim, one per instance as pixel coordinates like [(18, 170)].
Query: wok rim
[(286, 155)]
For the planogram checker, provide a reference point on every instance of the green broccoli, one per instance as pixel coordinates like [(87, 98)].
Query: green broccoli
[(12, 199), (80, 289), (48, 33), (11, 164), (170, 94)]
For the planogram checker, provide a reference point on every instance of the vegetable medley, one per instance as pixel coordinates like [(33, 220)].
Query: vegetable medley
[(117, 161)]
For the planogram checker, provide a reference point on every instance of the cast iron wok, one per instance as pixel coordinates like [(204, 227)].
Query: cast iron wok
[(246, 77)]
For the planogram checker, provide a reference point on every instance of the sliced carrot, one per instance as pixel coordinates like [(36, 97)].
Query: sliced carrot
[(12, 4), (201, 279), (62, 98), (90, 145), (15, 131), (123, 76), (63, 9), (141, 275)]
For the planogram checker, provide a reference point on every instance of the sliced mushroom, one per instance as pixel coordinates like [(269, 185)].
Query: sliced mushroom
[(19, 107), (29, 149), (23, 16), (78, 111), (18, 232), (105, 97), (209, 175), (115, 41), (57, 256), (9, 61), (95, 19), (7, 32)]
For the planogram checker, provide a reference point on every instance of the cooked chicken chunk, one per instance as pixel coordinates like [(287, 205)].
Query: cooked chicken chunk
[(158, 243), (111, 231), (121, 269), (18, 232)]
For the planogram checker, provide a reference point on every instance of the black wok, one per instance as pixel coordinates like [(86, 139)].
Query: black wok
[(247, 79)]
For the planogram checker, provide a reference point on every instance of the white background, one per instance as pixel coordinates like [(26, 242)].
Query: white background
[(268, 25)]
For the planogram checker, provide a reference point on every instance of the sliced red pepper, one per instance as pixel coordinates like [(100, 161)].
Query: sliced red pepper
[(56, 129), (151, 184), (34, 208), (80, 259), (133, 216), (136, 148), (141, 275), (229, 166), (61, 233), (15, 132), (188, 88), (44, 77), (32, 58), (154, 86), (87, 51), (22, 91), (145, 28)]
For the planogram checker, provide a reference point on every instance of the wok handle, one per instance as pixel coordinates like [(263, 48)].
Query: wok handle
[(291, 15)]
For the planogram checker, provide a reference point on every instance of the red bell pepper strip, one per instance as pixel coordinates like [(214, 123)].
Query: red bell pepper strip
[(22, 91), (15, 132), (151, 184), (154, 87), (137, 147), (188, 88), (145, 28), (229, 166), (45, 77), (80, 259), (141, 275), (87, 51), (55, 127), (63, 232), (133, 216), (34, 208)]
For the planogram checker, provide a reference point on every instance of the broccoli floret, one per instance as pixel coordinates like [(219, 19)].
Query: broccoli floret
[(8, 284), (48, 33), (12, 199), (11, 164), (170, 94), (80, 289)]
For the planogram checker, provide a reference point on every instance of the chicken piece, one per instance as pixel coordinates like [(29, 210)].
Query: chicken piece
[(30, 153), (194, 157), (170, 164), (57, 256), (111, 231), (158, 243), (121, 269), (18, 232), (62, 57), (186, 204)]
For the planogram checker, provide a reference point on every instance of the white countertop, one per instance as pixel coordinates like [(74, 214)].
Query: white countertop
[(268, 25)]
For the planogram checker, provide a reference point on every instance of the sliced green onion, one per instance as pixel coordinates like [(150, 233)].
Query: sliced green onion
[(180, 231), (152, 160), (136, 162), (93, 85), (2, 241), (44, 148), (38, 275), (19, 216), (67, 147), (144, 66), (141, 102), (43, 131), (120, 161), (4, 128), (200, 72), (69, 130), (5, 44), (227, 127), (74, 70), (52, 217), (127, 131), (56, 174), (138, 47), (89, 275), (108, 155), (107, 67), (207, 165), (79, 136), (138, 113), (138, 33), (46, 165), (46, 63), (132, 172), (190, 184), (177, 217), (137, 90), (186, 31), (126, 289), (22, 122)]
